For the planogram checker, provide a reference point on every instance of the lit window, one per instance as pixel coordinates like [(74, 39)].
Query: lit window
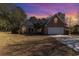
[(55, 20)]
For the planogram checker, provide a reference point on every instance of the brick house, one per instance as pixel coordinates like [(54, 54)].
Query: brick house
[(55, 25)]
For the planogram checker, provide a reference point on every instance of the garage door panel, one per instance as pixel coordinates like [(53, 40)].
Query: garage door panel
[(55, 30)]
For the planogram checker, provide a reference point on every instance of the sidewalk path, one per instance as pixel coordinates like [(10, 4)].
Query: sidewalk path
[(70, 41)]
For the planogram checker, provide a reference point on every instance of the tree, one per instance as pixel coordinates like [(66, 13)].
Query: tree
[(40, 25), (11, 18), (71, 28), (33, 19), (18, 19)]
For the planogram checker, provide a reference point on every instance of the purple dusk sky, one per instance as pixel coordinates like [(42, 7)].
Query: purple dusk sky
[(41, 10)]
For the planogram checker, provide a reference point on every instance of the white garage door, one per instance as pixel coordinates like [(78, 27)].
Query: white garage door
[(55, 30)]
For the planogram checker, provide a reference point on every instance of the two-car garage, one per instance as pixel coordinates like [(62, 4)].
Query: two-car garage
[(56, 24), (56, 30)]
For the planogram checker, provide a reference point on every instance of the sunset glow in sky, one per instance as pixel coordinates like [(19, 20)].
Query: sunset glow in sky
[(41, 10)]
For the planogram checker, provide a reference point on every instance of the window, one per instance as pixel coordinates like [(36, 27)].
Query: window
[(55, 20)]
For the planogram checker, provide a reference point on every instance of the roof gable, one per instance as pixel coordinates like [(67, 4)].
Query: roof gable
[(59, 23)]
